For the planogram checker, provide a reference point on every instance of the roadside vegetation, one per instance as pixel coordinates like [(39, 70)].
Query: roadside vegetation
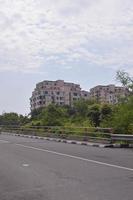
[(89, 113)]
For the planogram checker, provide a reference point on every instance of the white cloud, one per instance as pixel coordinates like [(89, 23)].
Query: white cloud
[(34, 32)]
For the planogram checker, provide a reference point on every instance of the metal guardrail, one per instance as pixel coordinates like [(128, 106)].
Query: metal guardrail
[(121, 137), (61, 129), (62, 136), (69, 133)]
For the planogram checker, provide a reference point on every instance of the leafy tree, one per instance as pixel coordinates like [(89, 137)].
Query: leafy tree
[(81, 107), (35, 113), (71, 111), (94, 114), (53, 115), (124, 78), (122, 120), (106, 111), (13, 119)]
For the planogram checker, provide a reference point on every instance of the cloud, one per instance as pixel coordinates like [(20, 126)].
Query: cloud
[(34, 33)]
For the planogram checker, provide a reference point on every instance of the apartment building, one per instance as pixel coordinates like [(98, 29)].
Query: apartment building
[(108, 94), (56, 92)]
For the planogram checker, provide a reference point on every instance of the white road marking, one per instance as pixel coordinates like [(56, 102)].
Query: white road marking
[(76, 157), (25, 165), (4, 141)]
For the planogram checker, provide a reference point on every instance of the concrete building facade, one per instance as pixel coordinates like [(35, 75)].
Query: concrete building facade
[(56, 92), (64, 93), (108, 94)]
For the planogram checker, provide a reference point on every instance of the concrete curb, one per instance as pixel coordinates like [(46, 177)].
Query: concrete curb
[(75, 142), (64, 141), (120, 145)]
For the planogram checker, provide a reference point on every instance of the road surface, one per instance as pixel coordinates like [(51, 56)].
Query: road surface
[(33, 169)]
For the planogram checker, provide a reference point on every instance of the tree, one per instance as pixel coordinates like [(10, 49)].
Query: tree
[(94, 114), (81, 107), (122, 118), (35, 113), (124, 78), (53, 115), (13, 119), (106, 111)]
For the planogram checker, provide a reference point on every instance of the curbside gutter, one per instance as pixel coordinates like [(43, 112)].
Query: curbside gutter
[(74, 141)]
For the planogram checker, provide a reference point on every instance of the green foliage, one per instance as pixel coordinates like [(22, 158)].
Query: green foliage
[(35, 113), (106, 111), (124, 78), (53, 115), (83, 113), (94, 114), (13, 119), (81, 107), (122, 119)]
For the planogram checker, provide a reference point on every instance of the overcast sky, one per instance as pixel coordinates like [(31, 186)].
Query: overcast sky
[(82, 41)]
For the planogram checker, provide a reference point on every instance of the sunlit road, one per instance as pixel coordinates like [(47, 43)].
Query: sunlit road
[(33, 169)]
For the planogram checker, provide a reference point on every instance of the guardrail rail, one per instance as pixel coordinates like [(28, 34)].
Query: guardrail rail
[(121, 137)]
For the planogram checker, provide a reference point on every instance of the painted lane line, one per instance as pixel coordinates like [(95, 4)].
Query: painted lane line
[(76, 157), (4, 141), (25, 165)]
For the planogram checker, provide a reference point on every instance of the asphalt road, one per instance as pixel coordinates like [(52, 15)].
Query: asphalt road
[(32, 169)]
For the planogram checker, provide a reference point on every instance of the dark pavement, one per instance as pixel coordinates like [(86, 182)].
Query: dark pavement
[(32, 169)]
